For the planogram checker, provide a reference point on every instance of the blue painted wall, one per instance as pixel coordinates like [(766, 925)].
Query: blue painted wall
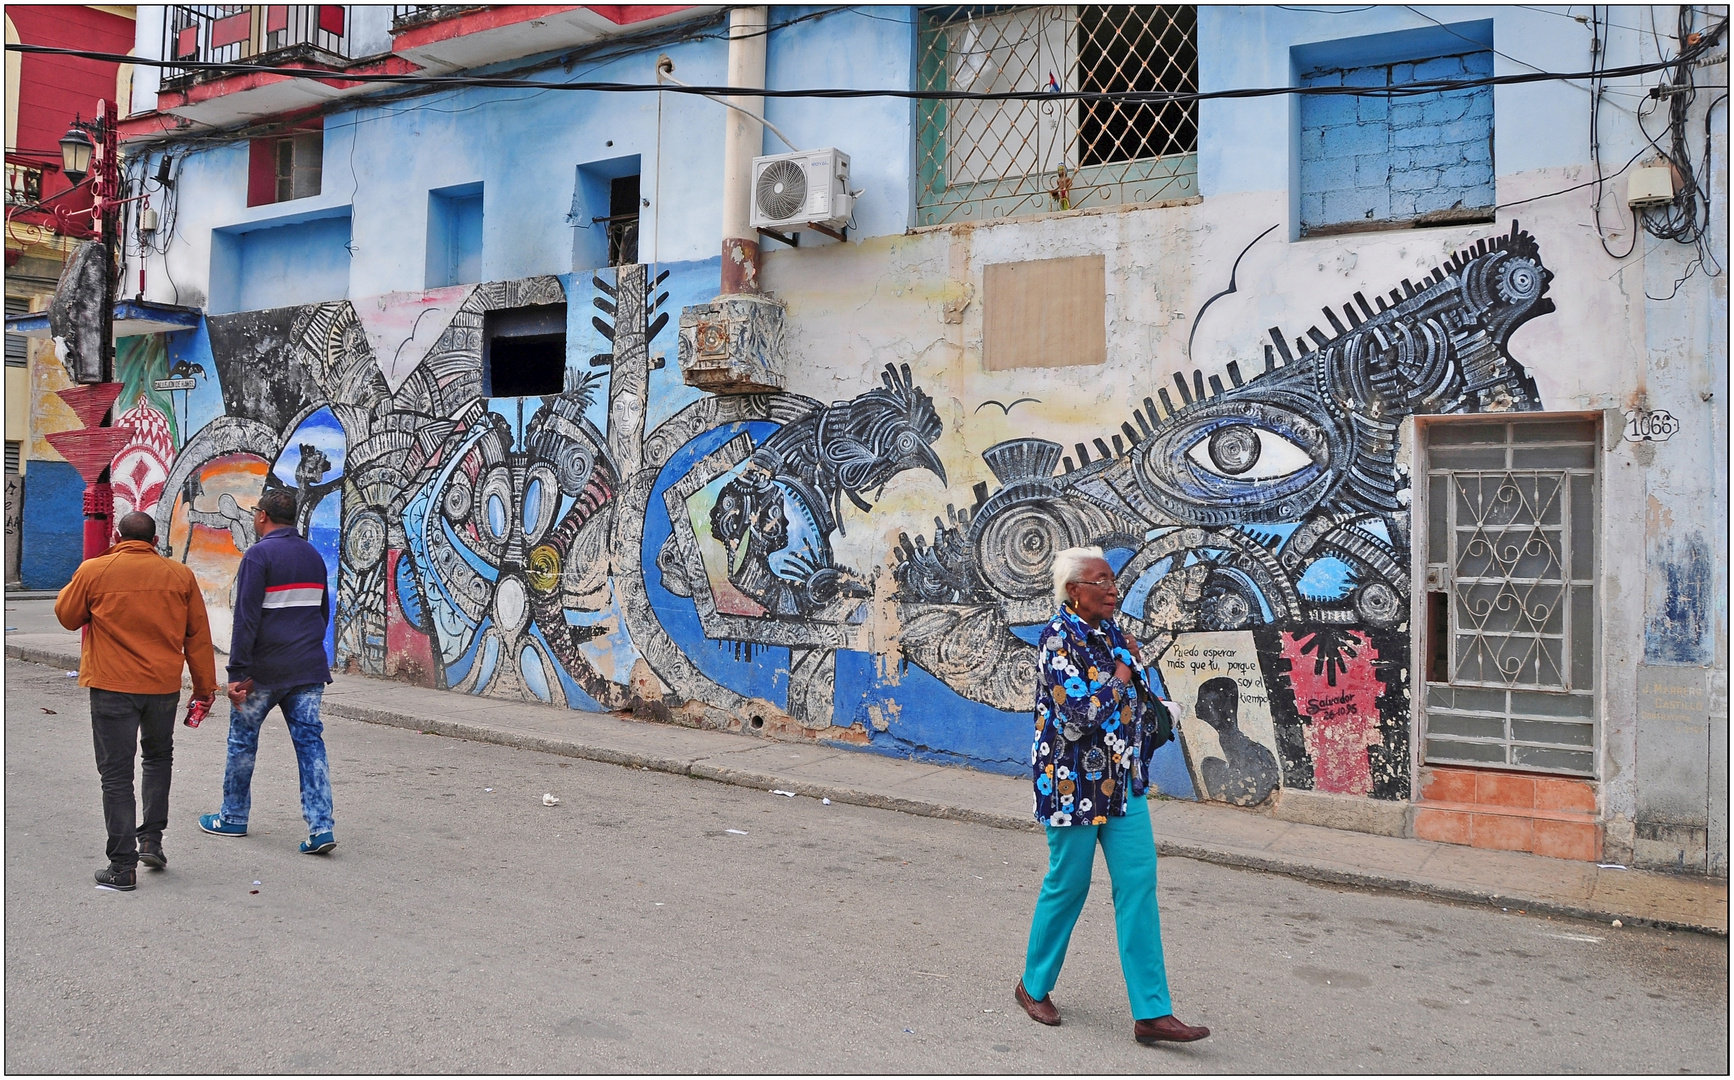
[(52, 545), (454, 236), (304, 262)]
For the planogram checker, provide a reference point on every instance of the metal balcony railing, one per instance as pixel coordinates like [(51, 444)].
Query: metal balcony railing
[(256, 33), (23, 184), (404, 16)]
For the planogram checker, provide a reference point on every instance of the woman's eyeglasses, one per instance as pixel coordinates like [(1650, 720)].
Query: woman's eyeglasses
[(1105, 583)]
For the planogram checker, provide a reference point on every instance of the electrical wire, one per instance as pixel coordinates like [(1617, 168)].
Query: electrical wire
[(1577, 187), (1418, 87), (1575, 18), (1598, 57), (1684, 222), (1478, 45), (1687, 217)]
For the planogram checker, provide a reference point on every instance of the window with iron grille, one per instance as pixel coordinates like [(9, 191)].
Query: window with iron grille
[(1510, 645), (13, 451), (985, 159), (17, 345)]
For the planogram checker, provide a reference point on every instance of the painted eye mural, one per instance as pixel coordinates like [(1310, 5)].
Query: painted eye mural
[(1255, 526), (1259, 460), (630, 543)]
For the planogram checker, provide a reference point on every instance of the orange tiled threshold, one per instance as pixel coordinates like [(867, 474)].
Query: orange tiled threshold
[(1489, 808)]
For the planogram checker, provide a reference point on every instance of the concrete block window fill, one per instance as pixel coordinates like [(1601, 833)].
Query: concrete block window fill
[(1395, 162)]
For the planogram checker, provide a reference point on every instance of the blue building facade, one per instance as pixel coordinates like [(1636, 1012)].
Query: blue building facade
[(1290, 360)]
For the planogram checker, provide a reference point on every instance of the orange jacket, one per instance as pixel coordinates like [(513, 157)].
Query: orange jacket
[(145, 615)]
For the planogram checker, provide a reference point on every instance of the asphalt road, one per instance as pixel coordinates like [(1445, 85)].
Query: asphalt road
[(659, 923)]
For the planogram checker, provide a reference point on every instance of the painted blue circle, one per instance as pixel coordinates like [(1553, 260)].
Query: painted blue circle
[(532, 503), (496, 515)]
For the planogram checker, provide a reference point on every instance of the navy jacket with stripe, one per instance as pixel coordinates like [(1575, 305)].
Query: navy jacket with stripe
[(281, 608)]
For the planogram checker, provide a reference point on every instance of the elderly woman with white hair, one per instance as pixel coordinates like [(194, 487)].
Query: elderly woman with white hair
[(1097, 724)]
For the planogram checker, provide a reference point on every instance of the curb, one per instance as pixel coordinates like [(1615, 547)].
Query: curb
[(701, 769), (698, 768)]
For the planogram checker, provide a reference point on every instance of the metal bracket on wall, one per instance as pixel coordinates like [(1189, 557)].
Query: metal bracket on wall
[(790, 239)]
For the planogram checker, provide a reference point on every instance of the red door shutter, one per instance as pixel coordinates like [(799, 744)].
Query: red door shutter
[(276, 18), (331, 18), (262, 172), (186, 42)]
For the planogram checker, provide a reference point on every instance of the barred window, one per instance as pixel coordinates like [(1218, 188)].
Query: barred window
[(14, 451), (990, 159)]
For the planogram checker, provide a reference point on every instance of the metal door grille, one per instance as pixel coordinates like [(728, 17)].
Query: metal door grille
[(1511, 582), (992, 159)]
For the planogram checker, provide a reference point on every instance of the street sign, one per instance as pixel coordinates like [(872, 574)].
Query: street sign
[(164, 385)]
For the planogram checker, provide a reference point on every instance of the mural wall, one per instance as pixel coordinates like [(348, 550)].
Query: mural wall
[(631, 543)]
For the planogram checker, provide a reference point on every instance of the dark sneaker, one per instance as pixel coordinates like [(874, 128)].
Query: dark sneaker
[(216, 826), (151, 855), (318, 843), (118, 878)]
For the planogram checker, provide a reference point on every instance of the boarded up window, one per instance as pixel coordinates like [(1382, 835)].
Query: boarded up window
[(1045, 314)]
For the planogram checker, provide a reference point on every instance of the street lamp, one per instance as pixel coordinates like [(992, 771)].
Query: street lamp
[(75, 151), (82, 316)]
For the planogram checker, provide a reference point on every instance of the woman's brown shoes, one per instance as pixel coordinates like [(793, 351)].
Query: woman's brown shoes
[(1166, 1029), (1043, 1011)]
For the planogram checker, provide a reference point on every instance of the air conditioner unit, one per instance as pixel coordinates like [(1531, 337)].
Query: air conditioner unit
[(805, 190)]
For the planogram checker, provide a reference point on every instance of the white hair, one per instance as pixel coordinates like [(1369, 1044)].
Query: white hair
[(1070, 563)]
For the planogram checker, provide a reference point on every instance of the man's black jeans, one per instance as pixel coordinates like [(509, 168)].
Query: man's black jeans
[(119, 725)]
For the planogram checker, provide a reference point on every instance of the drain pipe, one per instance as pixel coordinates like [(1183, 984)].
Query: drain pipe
[(743, 140)]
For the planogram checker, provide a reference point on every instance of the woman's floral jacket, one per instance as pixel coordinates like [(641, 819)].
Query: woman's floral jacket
[(1094, 737)]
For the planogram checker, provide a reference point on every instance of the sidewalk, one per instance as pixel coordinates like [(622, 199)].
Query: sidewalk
[(1212, 833)]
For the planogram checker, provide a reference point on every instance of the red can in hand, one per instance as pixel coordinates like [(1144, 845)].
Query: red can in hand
[(197, 710)]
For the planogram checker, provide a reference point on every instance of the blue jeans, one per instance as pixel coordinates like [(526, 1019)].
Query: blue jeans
[(300, 706), (1130, 850)]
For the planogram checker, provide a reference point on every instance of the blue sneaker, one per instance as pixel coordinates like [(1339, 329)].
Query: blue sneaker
[(216, 826), (318, 843)]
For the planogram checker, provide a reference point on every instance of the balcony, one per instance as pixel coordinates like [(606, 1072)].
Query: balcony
[(264, 34), (23, 184), (330, 42), (441, 38), (405, 16)]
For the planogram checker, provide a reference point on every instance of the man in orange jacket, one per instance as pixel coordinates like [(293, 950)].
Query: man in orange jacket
[(144, 616)]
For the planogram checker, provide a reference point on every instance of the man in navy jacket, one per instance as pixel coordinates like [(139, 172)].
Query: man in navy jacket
[(277, 658)]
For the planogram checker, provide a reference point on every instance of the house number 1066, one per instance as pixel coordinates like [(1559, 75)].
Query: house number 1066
[(1655, 425)]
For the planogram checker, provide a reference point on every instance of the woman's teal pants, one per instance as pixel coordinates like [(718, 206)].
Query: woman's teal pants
[(1130, 850)]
